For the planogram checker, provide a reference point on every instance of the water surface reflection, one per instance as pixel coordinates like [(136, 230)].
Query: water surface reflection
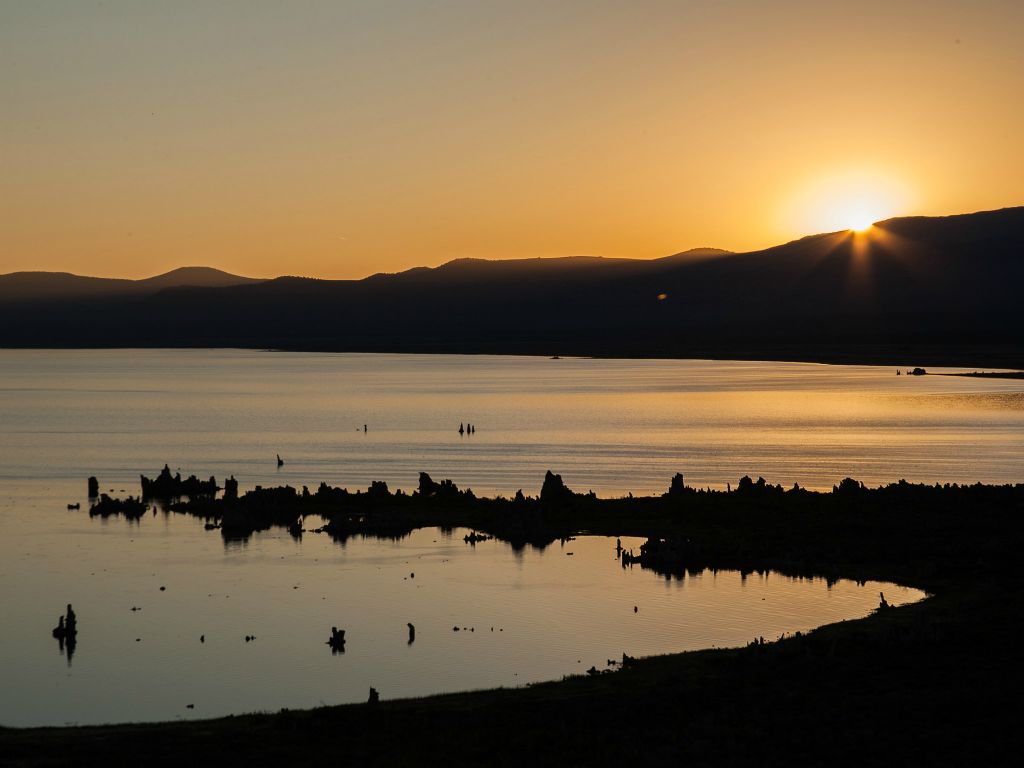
[(522, 616), (614, 426)]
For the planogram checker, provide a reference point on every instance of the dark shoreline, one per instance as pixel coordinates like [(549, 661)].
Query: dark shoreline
[(935, 681), (900, 356), (988, 374)]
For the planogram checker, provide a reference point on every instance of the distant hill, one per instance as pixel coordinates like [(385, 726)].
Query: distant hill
[(199, 277), (36, 286), (915, 289), (572, 267)]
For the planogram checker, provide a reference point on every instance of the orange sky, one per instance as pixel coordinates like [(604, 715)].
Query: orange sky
[(338, 139)]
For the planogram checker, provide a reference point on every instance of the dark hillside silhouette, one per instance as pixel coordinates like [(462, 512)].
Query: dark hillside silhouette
[(40, 286), (200, 277), (597, 267), (906, 288)]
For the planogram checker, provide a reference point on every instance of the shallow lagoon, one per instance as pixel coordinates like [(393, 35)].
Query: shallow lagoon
[(552, 614)]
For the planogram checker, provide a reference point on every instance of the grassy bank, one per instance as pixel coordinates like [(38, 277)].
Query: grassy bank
[(932, 683)]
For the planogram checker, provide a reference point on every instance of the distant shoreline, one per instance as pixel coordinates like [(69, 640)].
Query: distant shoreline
[(988, 374), (902, 357)]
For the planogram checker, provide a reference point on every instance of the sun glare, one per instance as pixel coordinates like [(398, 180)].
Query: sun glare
[(856, 211), (848, 201), (860, 221)]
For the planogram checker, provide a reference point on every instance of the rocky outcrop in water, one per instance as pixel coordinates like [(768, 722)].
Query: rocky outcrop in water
[(445, 491), (750, 488), (132, 508), (167, 486), (553, 492), (377, 512), (230, 489), (848, 487), (66, 632), (67, 625), (337, 640), (677, 488)]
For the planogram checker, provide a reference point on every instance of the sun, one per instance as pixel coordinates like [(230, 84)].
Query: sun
[(848, 201), (860, 220), (855, 212)]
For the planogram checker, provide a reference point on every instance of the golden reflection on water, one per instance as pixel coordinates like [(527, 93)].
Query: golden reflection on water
[(614, 426)]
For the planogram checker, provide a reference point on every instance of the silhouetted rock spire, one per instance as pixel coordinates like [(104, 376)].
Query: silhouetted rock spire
[(677, 487), (554, 491), (168, 486)]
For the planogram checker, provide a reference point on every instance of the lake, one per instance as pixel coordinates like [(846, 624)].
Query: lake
[(613, 426)]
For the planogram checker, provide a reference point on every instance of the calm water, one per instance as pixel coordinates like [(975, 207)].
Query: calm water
[(552, 614), (613, 426)]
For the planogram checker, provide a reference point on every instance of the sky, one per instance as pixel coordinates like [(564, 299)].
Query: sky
[(339, 139)]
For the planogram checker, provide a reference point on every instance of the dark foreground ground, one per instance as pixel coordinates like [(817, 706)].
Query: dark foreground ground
[(938, 682)]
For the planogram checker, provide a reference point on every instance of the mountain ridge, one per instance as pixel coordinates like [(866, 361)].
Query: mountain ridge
[(908, 283), (33, 285)]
